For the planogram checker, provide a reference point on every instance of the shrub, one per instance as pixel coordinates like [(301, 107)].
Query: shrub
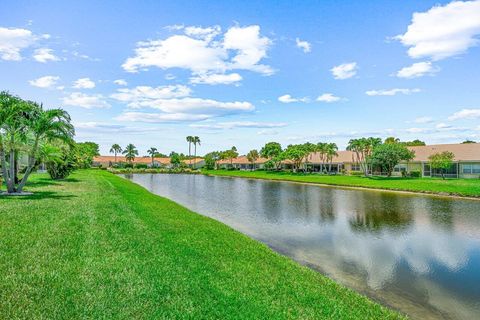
[(356, 173), (415, 174), (128, 165), (141, 166)]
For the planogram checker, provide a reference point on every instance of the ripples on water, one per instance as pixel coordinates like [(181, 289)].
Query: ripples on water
[(419, 254)]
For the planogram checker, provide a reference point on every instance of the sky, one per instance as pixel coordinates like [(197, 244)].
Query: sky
[(246, 73)]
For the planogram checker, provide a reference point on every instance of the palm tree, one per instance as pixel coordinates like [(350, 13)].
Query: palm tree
[(27, 124), (195, 141), (130, 152), (152, 152), (190, 141), (115, 149), (53, 124), (253, 156)]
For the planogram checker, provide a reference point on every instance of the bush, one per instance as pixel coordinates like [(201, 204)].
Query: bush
[(59, 169), (356, 173), (141, 166), (128, 165), (415, 174)]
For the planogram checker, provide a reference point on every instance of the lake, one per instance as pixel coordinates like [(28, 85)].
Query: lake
[(418, 254)]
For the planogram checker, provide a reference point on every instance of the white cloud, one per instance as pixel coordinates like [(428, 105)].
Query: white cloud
[(304, 45), (416, 130), (79, 99), (120, 82), (160, 117), (443, 31), (391, 92), (465, 114), (44, 55), (443, 126), (286, 98), (239, 124), (204, 52), (250, 48), (344, 71), (14, 40), (44, 82), (84, 83), (144, 94), (423, 120), (268, 132), (328, 97), (416, 70), (175, 103), (214, 79)]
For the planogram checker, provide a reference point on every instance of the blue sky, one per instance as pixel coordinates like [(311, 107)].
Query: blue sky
[(153, 72)]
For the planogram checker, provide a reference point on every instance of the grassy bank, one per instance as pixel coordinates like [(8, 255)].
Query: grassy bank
[(98, 246), (457, 187)]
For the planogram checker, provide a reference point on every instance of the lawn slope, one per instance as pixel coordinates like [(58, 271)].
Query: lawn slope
[(455, 187), (98, 246)]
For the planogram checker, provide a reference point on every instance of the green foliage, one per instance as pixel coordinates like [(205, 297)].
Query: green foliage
[(85, 152), (175, 159), (24, 127), (413, 143), (468, 141), (271, 150), (211, 160), (362, 149), (356, 173), (141, 166), (130, 152), (415, 173), (441, 161), (253, 156), (229, 154), (62, 164), (387, 156)]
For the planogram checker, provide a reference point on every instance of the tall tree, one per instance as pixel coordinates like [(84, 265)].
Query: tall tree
[(130, 152), (362, 148), (152, 152), (388, 155), (195, 141), (116, 149), (252, 157), (230, 155), (190, 141), (27, 125), (273, 152), (442, 161)]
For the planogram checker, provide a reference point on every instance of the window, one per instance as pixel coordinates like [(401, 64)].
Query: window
[(400, 167), (355, 167), (471, 168)]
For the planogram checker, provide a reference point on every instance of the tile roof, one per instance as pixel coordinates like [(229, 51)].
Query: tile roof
[(462, 151)]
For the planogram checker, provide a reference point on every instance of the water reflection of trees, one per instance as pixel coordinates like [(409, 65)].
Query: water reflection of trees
[(374, 212)]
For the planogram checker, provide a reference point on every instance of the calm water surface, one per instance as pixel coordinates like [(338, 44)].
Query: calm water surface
[(418, 254)]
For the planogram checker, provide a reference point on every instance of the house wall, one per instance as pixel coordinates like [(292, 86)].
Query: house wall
[(466, 175)]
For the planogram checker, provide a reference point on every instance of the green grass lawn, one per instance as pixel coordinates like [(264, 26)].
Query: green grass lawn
[(460, 187), (98, 246)]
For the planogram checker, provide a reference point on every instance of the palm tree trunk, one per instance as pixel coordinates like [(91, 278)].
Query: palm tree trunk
[(11, 182), (190, 152), (115, 156), (195, 152), (31, 164)]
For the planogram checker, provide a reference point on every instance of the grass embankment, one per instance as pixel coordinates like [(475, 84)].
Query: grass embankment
[(456, 187), (98, 246)]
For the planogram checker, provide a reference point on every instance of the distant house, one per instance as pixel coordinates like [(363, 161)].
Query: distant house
[(466, 163), (108, 161), (241, 163)]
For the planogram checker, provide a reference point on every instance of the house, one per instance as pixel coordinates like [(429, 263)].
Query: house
[(108, 161), (466, 162), (241, 163)]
